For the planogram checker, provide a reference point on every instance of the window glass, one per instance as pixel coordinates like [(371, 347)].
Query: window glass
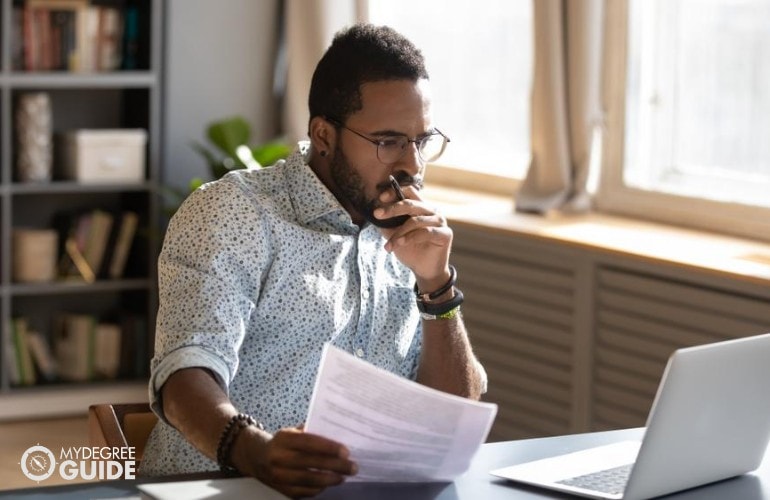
[(479, 56), (698, 99)]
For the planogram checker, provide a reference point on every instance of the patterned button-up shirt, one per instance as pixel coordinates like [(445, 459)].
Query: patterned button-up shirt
[(258, 270)]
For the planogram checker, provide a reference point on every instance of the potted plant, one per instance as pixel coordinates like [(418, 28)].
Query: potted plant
[(231, 150)]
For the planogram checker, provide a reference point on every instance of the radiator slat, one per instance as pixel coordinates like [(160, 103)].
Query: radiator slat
[(499, 363), (688, 318), (728, 304), (640, 321), (510, 325), (533, 404), (519, 312), (654, 330), (629, 381), (484, 302), (632, 343), (610, 417), (541, 278)]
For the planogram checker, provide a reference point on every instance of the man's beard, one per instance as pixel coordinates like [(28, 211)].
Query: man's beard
[(351, 188)]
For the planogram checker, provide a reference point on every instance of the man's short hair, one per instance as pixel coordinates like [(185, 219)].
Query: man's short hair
[(360, 54)]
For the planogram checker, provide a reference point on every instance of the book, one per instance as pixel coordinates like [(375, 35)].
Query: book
[(42, 18), (26, 368), (62, 38), (78, 59), (107, 346), (30, 38), (73, 230), (97, 237), (130, 38), (109, 39), (86, 237), (10, 360), (41, 354), (75, 257), (17, 39), (122, 245), (74, 346)]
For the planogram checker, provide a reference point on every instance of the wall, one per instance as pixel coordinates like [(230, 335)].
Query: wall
[(218, 62)]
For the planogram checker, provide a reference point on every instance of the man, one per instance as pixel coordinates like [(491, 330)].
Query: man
[(261, 268)]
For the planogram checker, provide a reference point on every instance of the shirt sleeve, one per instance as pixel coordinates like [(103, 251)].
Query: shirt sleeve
[(205, 292), (194, 356)]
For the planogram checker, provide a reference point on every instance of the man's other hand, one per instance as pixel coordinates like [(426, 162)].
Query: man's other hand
[(292, 461)]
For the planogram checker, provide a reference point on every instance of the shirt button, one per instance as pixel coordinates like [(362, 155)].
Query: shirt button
[(365, 294), (360, 352)]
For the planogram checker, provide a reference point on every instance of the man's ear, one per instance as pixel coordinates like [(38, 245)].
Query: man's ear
[(323, 136)]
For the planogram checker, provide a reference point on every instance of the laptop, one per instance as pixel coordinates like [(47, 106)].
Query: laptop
[(710, 420)]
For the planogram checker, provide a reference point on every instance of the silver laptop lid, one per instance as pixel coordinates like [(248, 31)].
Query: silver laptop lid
[(710, 419)]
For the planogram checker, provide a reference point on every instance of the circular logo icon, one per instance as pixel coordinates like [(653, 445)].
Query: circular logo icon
[(38, 463)]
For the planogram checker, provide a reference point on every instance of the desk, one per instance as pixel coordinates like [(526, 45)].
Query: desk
[(475, 484)]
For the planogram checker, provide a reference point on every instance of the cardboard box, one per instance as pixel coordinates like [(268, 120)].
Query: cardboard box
[(104, 155)]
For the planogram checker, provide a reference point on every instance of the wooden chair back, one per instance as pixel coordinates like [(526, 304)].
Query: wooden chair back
[(121, 425)]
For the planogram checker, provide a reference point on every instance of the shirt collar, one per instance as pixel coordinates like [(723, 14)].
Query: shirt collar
[(310, 197)]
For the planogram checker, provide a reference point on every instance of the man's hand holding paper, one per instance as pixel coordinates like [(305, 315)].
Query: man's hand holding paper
[(395, 429)]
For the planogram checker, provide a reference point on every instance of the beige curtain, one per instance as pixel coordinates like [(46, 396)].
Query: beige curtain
[(309, 26), (566, 104)]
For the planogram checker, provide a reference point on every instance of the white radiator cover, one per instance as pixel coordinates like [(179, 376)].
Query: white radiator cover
[(575, 340)]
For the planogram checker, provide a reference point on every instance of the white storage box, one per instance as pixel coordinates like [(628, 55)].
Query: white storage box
[(104, 155)]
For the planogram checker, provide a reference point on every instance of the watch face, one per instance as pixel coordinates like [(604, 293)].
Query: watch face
[(38, 463)]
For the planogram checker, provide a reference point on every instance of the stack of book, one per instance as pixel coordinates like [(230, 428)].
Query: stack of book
[(97, 243), (73, 35), (82, 349)]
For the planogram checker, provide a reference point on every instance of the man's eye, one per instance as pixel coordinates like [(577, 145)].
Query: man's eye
[(393, 142)]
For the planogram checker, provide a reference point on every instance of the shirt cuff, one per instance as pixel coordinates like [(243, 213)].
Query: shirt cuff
[(185, 357)]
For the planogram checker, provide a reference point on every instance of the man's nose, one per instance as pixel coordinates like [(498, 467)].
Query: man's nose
[(411, 162)]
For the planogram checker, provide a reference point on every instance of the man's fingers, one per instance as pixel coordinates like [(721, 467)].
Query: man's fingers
[(421, 231), (307, 455), (296, 460), (309, 443), (406, 207)]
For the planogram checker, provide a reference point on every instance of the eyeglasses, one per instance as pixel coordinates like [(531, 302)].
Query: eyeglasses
[(392, 148)]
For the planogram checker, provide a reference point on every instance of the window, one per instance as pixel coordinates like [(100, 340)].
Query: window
[(479, 56), (695, 113)]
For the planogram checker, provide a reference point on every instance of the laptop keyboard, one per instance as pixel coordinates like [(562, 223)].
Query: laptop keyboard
[(612, 481)]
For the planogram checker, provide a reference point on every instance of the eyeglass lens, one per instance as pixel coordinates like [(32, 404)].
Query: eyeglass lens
[(429, 148)]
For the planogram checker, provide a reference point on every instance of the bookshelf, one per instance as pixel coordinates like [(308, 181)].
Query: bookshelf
[(82, 95)]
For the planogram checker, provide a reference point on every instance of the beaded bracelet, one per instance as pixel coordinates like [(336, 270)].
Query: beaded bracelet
[(236, 424), (425, 297)]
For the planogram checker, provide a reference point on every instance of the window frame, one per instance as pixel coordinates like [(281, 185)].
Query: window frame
[(614, 196)]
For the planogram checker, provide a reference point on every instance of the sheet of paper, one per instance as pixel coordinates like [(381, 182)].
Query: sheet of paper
[(396, 429), (238, 487)]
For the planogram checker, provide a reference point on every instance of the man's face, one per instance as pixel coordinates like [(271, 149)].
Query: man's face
[(388, 108)]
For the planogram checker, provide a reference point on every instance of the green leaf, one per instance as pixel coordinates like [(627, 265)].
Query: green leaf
[(269, 153), (229, 133), (195, 183)]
